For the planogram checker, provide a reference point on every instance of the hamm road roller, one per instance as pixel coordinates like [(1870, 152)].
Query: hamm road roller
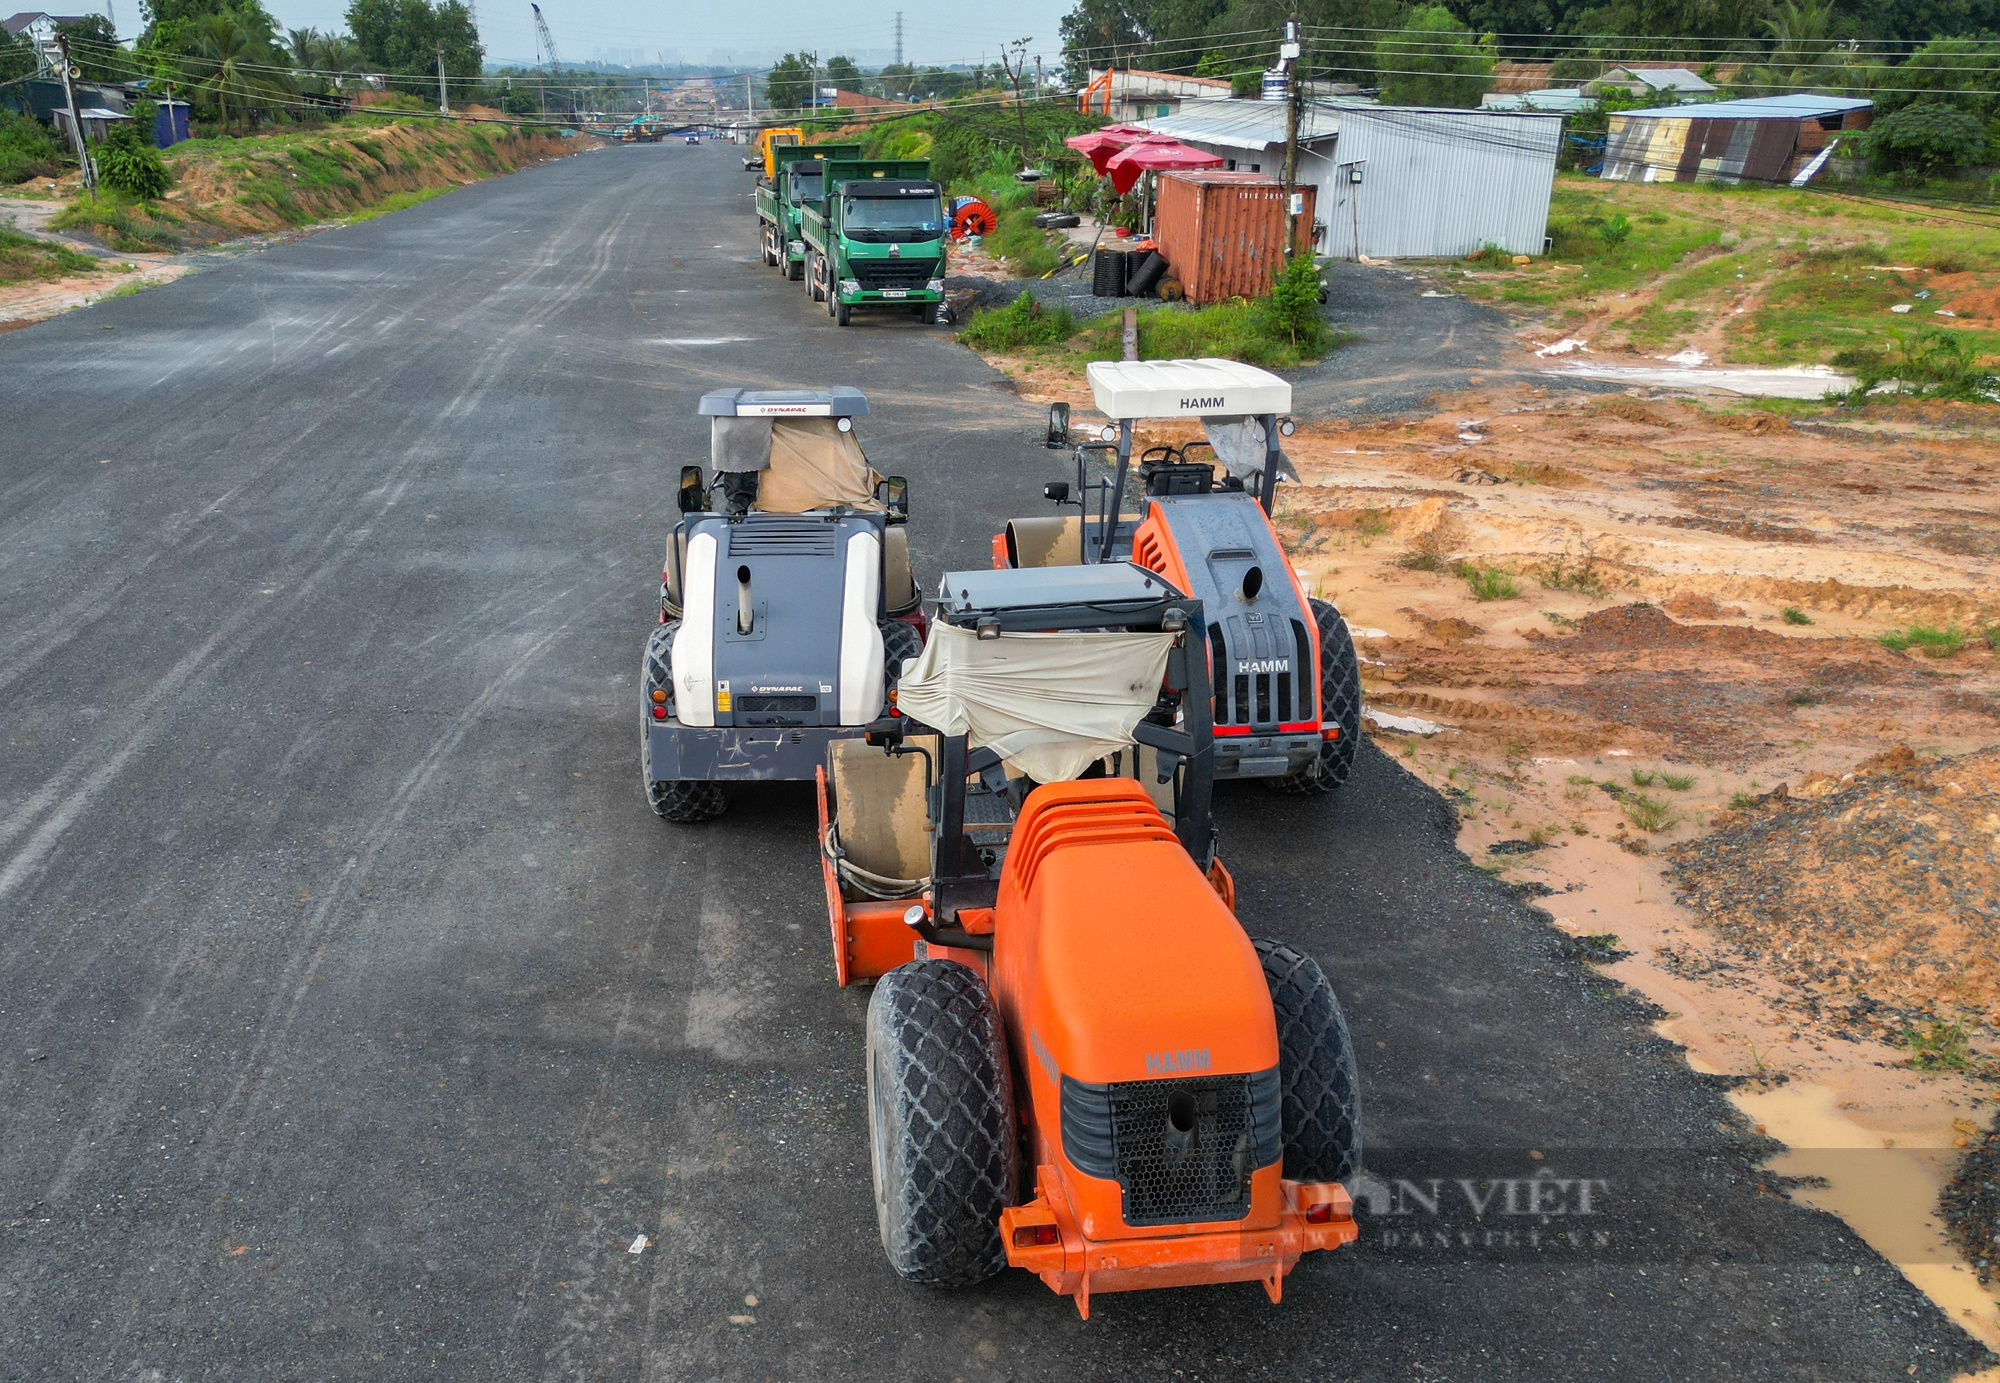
[(1287, 684), (1078, 1063)]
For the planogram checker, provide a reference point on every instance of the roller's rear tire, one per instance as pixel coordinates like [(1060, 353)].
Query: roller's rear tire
[(683, 801), (900, 646), (941, 1133), (1339, 704), (1321, 1108)]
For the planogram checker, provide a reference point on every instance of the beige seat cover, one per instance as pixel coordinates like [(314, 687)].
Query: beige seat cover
[(879, 809), (814, 465), (1049, 704)]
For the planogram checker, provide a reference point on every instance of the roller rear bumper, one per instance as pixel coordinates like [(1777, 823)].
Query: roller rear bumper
[(1316, 1215)]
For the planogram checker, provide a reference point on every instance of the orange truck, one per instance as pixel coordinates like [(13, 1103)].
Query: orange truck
[(1078, 1062)]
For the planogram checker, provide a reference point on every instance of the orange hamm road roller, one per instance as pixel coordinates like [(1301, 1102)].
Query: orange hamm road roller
[(1078, 1062)]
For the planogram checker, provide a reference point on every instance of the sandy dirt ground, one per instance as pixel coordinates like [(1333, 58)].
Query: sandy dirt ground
[(1630, 702)]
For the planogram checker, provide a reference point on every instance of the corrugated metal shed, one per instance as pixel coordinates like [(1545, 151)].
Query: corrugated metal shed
[(1564, 100), (1398, 181), (1761, 139)]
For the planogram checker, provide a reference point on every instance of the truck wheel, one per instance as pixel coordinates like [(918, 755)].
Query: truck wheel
[(1321, 1105), (1339, 702), (679, 800), (794, 270), (812, 275), (928, 314), (941, 1135), (840, 310), (901, 643)]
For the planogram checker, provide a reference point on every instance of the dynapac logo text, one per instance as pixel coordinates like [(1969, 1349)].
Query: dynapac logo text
[(1173, 1063)]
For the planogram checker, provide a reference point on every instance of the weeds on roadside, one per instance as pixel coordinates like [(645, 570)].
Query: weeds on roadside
[(1929, 364), (1804, 696), (1742, 801), (1021, 323), (1561, 621), (1793, 615), (1991, 637), (1643, 777), (1676, 782), (1648, 813), (1944, 1047), (1932, 643)]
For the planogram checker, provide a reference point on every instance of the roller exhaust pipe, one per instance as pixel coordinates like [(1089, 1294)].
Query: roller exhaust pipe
[(745, 614), (1253, 582)]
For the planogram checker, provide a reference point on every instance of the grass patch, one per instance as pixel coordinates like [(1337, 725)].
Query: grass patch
[(1490, 583), (1932, 643), (1643, 777), (1742, 801), (1793, 615), (1019, 326), (1676, 782), (397, 201), (1941, 1047), (1991, 638), (1648, 813), (1805, 696), (22, 257)]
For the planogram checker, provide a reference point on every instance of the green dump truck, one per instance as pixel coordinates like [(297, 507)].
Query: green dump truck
[(796, 180), (876, 238)]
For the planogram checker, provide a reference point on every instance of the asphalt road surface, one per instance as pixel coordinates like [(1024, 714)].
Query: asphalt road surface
[(356, 1016)]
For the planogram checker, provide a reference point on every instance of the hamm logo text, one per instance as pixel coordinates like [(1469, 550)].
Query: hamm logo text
[(1174, 1063)]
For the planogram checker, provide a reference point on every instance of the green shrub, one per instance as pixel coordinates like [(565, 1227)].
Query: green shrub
[(27, 150), (1022, 323), (1648, 813), (1926, 139), (127, 160), (1793, 615), (1614, 231), (1924, 364), (1291, 312)]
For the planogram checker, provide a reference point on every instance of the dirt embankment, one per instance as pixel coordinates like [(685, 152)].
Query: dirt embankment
[(228, 188)]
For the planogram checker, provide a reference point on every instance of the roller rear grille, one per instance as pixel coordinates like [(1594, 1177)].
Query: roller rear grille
[(762, 536), (1182, 1149), (777, 703)]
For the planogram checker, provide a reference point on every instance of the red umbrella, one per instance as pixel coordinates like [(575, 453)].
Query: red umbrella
[(1154, 152), (1101, 144)]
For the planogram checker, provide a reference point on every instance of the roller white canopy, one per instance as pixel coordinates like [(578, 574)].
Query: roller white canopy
[(1185, 389)]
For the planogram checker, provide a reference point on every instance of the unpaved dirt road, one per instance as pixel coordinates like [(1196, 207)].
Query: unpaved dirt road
[(355, 1015)]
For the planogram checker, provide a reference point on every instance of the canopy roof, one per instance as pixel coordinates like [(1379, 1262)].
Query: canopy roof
[(1155, 152), (1185, 389), (1101, 144)]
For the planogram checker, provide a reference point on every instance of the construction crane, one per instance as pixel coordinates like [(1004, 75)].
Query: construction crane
[(545, 46), (545, 53)]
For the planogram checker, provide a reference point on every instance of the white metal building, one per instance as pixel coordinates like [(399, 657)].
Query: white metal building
[(1396, 181)]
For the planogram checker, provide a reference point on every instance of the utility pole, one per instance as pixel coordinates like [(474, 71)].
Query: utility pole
[(899, 38), (444, 96), (1295, 89), (750, 95), (83, 160)]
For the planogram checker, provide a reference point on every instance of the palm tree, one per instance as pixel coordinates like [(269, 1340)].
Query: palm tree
[(230, 64)]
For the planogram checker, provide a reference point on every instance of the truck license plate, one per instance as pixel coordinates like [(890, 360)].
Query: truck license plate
[(895, 292)]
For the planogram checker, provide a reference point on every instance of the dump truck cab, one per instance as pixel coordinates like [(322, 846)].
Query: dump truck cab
[(876, 238), (787, 604), (763, 161), (1076, 1060), (1287, 684), (798, 181)]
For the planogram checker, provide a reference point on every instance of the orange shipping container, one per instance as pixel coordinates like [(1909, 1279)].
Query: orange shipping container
[(1223, 233)]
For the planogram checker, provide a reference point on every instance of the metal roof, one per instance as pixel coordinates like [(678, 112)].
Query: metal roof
[(1666, 78), (1244, 124), (1553, 98), (1755, 108)]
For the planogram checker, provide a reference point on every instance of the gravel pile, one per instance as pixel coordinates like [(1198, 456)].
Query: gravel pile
[(1874, 897), (1970, 1205)]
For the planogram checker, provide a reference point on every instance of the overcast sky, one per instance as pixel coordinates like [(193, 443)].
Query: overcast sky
[(749, 31)]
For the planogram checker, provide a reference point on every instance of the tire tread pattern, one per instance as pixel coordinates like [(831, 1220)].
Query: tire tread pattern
[(941, 1114), (1339, 695), (1321, 1102)]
